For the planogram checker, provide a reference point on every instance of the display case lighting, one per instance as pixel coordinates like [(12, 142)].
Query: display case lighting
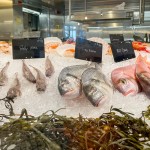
[(86, 18), (30, 11), (8, 21)]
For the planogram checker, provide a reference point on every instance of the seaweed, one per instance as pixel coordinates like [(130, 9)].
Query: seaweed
[(115, 130), (8, 104)]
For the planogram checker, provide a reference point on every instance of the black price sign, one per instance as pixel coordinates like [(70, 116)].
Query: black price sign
[(122, 51), (88, 50), (28, 48), (116, 38)]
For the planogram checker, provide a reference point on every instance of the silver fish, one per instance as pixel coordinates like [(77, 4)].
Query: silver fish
[(40, 80), (95, 86), (14, 91), (27, 73), (49, 68), (3, 75), (69, 81)]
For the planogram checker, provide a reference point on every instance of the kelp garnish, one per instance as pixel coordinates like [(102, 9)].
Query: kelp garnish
[(147, 113), (115, 130), (8, 104)]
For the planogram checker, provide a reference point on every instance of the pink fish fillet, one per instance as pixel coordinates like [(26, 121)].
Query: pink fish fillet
[(124, 80), (143, 73)]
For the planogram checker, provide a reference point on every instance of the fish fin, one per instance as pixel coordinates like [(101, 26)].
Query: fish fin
[(145, 58), (8, 63), (34, 68), (73, 76), (139, 58), (107, 81), (89, 63), (98, 66), (6, 66)]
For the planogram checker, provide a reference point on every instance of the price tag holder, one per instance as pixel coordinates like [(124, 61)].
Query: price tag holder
[(122, 51), (27, 48), (116, 38), (88, 50)]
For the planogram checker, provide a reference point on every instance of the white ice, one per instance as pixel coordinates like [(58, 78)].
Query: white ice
[(36, 103)]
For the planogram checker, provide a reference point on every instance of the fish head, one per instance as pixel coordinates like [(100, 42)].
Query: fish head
[(127, 86), (12, 93), (40, 85), (49, 72), (144, 79), (69, 87), (96, 91)]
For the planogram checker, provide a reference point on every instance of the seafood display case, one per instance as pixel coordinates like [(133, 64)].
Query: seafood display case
[(75, 95)]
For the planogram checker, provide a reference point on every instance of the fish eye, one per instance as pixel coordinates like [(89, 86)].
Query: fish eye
[(64, 82), (123, 81)]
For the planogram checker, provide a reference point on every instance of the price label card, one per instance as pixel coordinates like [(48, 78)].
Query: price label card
[(88, 50), (116, 38), (122, 51), (28, 48)]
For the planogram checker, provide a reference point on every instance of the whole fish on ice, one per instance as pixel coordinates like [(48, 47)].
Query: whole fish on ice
[(69, 81), (49, 69), (3, 75), (143, 74), (40, 80), (125, 81), (27, 73), (14, 91), (96, 87)]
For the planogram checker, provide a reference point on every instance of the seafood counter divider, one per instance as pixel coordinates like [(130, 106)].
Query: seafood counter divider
[(37, 103)]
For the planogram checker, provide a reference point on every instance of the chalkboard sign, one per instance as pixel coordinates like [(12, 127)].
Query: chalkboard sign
[(28, 48), (122, 50), (88, 50), (116, 38)]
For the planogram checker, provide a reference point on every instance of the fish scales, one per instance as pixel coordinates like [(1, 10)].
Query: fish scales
[(49, 68), (14, 91), (27, 73), (95, 86), (125, 81), (40, 80), (143, 74), (69, 81)]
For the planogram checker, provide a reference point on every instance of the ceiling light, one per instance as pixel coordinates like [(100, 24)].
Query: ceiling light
[(30, 11), (8, 21)]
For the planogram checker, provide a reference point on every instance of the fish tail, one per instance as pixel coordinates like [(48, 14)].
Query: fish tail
[(6, 66), (23, 60), (17, 83), (7, 63), (16, 74)]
